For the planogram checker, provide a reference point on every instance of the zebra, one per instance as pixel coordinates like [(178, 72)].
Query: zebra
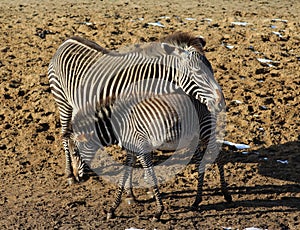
[(82, 71), (161, 122), (72, 60)]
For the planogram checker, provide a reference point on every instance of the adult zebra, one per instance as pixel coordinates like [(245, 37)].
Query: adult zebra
[(82, 72)]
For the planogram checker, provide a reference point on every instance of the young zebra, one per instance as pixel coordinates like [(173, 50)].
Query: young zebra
[(141, 125)]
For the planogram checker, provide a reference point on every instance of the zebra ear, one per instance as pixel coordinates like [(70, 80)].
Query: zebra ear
[(202, 40), (172, 50), (167, 48)]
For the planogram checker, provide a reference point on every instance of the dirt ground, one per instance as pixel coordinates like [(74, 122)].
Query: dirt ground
[(262, 103)]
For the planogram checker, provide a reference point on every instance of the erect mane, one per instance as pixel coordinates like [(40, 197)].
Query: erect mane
[(183, 40), (90, 44)]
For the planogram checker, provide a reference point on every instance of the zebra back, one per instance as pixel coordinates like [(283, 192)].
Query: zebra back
[(89, 75)]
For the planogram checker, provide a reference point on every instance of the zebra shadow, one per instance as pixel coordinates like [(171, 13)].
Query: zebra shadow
[(291, 205), (280, 162)]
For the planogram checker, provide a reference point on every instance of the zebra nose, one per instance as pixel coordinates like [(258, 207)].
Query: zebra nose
[(221, 106), (76, 175), (77, 178), (220, 101)]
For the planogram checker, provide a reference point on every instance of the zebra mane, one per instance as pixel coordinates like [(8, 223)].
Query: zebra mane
[(184, 40), (90, 44), (173, 44)]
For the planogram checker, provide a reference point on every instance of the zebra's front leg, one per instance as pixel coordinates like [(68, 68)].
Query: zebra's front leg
[(68, 169), (79, 167), (147, 164)]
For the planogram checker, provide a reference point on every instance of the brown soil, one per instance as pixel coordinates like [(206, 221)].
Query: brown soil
[(266, 193)]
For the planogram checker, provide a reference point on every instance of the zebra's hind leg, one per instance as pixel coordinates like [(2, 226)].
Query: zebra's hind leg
[(146, 161), (118, 199), (198, 199), (224, 188), (130, 198)]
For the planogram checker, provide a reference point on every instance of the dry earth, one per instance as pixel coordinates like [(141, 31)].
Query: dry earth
[(262, 102)]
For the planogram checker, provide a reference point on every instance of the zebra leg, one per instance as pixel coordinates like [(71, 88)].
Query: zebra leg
[(69, 169), (66, 130), (79, 167), (149, 191), (76, 168), (130, 198), (118, 199), (147, 164), (224, 188), (201, 149), (199, 190)]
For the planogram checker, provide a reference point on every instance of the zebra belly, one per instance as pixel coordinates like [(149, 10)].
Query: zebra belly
[(173, 144)]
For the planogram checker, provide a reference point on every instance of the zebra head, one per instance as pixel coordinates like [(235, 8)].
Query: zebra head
[(78, 165), (196, 78), (202, 83)]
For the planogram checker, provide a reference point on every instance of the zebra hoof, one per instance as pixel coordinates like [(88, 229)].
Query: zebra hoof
[(157, 215), (195, 205), (228, 197), (110, 215), (195, 208), (71, 181), (150, 194), (129, 200), (156, 218)]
